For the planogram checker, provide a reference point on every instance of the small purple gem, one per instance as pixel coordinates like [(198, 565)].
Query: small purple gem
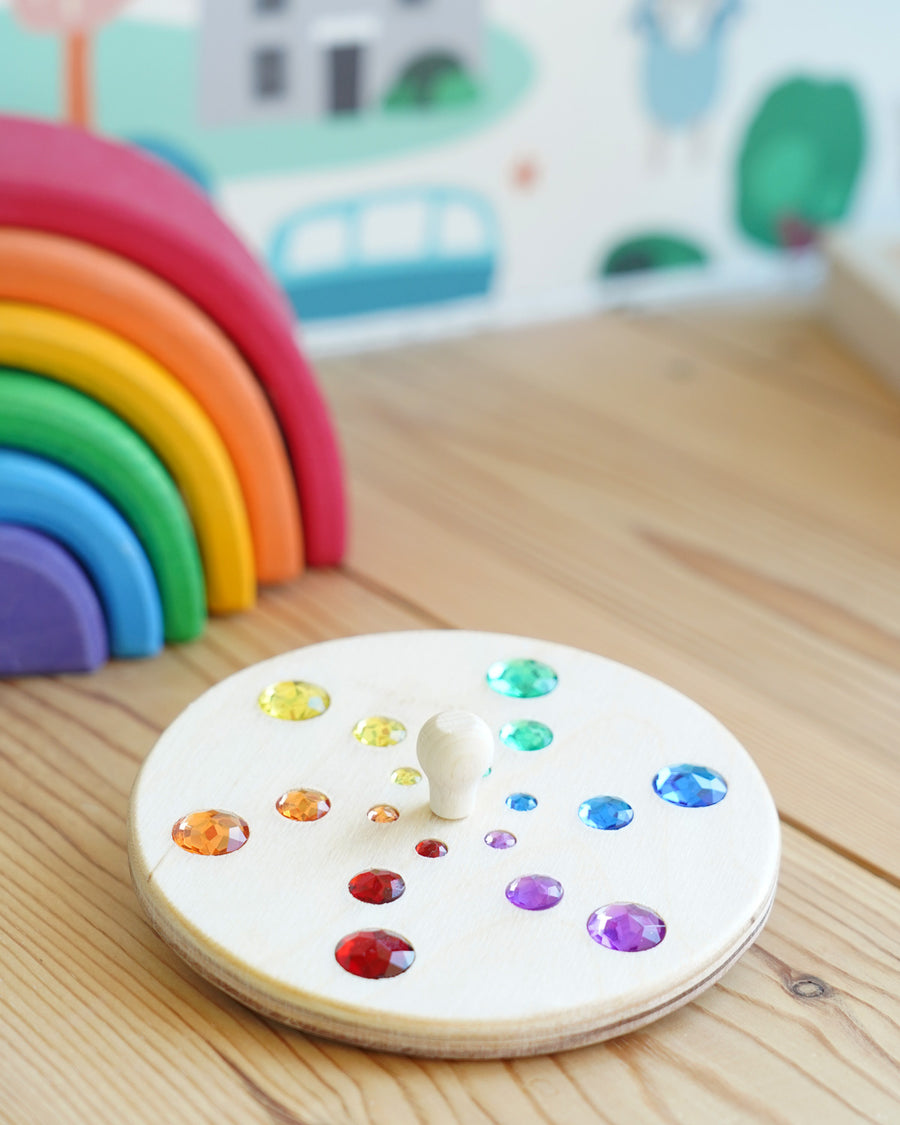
[(626, 927), (534, 892), (500, 838)]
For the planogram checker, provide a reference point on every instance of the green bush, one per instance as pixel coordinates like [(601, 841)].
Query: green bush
[(432, 81), (651, 252)]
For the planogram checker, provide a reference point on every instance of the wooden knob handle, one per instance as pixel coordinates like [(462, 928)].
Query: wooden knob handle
[(455, 749)]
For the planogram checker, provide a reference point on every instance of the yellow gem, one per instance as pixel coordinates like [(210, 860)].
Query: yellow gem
[(406, 775), (379, 730), (383, 814), (294, 699)]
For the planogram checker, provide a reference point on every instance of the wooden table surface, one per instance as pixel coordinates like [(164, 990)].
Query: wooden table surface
[(713, 499)]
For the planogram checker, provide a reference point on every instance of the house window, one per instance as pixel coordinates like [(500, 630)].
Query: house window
[(270, 5), (270, 72)]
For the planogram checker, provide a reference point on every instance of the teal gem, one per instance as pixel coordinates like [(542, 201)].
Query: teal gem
[(522, 679), (526, 734)]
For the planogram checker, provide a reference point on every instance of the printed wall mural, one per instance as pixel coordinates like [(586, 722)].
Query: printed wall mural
[(279, 59), (800, 161), (682, 65), (388, 250), (452, 160), (75, 21), (659, 251)]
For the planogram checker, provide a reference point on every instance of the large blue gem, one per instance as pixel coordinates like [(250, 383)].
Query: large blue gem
[(691, 787), (608, 813)]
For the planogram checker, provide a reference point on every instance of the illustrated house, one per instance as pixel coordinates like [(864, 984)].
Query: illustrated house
[(273, 59)]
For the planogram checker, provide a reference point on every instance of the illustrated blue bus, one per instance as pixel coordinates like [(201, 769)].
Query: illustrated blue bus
[(394, 249)]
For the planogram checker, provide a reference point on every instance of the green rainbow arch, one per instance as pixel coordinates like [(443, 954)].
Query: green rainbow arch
[(52, 421)]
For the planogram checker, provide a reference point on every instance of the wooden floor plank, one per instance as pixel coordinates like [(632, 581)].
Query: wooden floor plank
[(780, 621), (798, 351), (97, 1011), (633, 489)]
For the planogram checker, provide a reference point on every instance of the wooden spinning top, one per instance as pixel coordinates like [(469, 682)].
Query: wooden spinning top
[(587, 850)]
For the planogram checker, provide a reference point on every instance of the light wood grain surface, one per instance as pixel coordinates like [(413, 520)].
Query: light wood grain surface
[(712, 499)]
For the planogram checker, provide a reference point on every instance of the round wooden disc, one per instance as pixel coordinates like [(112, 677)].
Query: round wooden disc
[(489, 979)]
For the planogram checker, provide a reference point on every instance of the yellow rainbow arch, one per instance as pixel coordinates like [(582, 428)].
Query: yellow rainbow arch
[(146, 396)]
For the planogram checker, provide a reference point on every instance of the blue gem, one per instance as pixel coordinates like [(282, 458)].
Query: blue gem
[(521, 802), (691, 787), (608, 813)]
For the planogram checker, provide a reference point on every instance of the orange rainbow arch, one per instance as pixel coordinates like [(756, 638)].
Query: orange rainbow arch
[(94, 285)]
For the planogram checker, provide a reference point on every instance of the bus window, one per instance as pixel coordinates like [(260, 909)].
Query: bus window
[(462, 232), (393, 231), (316, 245)]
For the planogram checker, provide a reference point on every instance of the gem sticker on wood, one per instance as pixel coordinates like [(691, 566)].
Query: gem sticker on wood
[(575, 805)]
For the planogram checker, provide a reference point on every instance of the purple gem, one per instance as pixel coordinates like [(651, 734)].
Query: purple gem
[(627, 927), (500, 838), (534, 892)]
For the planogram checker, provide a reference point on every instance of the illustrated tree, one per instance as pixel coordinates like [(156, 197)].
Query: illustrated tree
[(800, 161), (76, 21)]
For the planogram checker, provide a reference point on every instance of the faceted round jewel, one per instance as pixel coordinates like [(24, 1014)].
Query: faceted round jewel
[(379, 730), (377, 886), (501, 839), (608, 813), (522, 679), (690, 787), (406, 775), (211, 832), (432, 849), (294, 700), (521, 802), (303, 804), (383, 814), (526, 734), (374, 954), (534, 892), (626, 927)]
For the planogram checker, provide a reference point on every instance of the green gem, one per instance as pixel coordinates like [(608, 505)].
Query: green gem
[(526, 734), (522, 679)]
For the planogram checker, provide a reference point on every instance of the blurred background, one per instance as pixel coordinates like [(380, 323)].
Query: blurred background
[(412, 168)]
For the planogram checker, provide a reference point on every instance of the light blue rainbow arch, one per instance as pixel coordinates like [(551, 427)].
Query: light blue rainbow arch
[(38, 494)]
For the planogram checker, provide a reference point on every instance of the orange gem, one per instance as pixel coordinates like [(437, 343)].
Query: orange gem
[(383, 814), (211, 832), (303, 804)]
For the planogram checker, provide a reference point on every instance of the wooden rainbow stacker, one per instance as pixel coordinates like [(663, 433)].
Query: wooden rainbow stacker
[(150, 361)]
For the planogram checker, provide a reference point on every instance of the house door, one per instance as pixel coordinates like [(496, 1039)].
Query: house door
[(345, 75)]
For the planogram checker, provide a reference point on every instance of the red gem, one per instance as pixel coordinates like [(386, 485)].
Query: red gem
[(375, 954), (377, 886), (431, 849)]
